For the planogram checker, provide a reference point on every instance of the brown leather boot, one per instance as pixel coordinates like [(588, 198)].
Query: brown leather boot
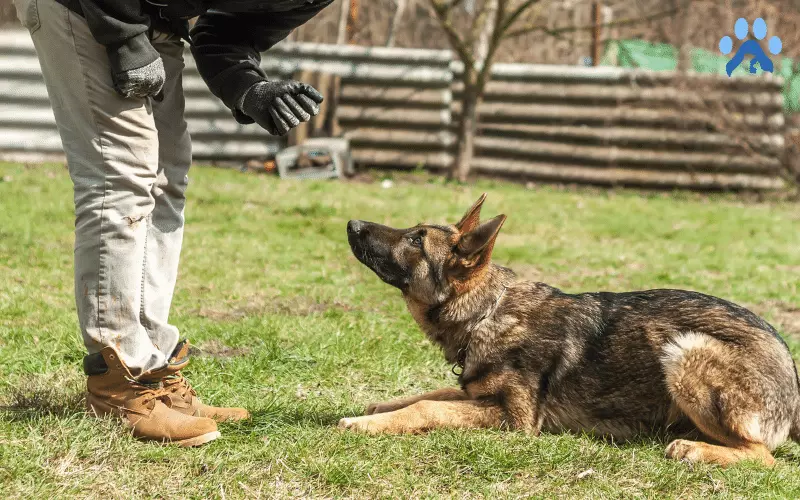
[(144, 407), (183, 396)]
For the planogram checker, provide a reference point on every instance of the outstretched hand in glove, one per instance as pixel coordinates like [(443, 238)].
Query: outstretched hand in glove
[(280, 106)]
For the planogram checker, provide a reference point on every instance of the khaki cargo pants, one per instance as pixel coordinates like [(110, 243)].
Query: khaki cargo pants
[(128, 160)]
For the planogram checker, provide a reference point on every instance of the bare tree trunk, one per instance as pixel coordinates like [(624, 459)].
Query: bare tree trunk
[(398, 14), (344, 11), (352, 21), (596, 34), (467, 127), (684, 42), (482, 48), (473, 91)]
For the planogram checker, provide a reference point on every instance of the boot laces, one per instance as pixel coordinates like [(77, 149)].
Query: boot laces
[(178, 383), (149, 392)]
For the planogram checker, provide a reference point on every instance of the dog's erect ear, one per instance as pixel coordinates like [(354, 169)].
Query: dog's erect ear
[(476, 246), (472, 217)]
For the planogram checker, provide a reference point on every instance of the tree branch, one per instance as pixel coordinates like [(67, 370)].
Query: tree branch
[(512, 18), (566, 29), (494, 44), (463, 50)]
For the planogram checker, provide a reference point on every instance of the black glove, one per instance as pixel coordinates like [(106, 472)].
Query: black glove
[(136, 68), (147, 81), (280, 106)]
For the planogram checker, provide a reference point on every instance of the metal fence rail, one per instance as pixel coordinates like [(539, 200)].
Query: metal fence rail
[(399, 107)]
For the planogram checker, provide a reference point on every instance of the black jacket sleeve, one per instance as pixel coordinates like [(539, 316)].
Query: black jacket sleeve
[(227, 47), (122, 27)]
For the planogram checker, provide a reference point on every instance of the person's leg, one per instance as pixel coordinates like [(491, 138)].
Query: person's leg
[(165, 222), (111, 146), (165, 234)]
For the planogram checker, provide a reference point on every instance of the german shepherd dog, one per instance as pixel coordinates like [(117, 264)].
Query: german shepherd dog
[(618, 365)]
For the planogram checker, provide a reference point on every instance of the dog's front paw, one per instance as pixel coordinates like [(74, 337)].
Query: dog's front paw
[(358, 424), (684, 451)]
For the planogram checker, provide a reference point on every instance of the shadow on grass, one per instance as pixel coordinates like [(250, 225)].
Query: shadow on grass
[(312, 417), (31, 402), (280, 418), (788, 451)]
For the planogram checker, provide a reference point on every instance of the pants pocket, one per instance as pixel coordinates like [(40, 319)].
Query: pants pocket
[(28, 14)]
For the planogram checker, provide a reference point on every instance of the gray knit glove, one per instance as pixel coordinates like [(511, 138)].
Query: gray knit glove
[(147, 81), (280, 106)]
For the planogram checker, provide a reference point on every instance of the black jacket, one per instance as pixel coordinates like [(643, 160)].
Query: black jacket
[(227, 39)]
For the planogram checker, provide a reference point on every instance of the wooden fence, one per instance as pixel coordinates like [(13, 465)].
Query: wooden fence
[(399, 107), (630, 127)]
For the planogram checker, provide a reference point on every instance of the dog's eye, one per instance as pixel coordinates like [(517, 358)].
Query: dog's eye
[(416, 241)]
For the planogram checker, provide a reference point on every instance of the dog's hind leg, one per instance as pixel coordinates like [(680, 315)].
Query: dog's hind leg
[(718, 391), (448, 394), (427, 415)]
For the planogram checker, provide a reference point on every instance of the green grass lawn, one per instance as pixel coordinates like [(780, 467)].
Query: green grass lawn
[(297, 331)]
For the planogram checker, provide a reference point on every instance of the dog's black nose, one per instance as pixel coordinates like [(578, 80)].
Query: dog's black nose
[(355, 226)]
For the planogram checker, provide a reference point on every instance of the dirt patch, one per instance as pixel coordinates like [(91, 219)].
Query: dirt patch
[(365, 177), (785, 317), (530, 273), (258, 304), (575, 281), (216, 349)]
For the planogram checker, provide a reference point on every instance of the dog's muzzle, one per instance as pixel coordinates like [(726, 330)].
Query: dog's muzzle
[(371, 244)]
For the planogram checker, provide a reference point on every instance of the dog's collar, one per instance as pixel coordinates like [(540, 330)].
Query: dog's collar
[(461, 360), (461, 356)]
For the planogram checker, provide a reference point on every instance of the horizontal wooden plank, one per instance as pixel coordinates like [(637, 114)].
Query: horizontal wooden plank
[(619, 116), (225, 126), (409, 139), (234, 150), (403, 75), (543, 171), (497, 147), (669, 96), (49, 142), (388, 158), (20, 66), (770, 144), (377, 116), (23, 139), (393, 55), (395, 96), (622, 176), (605, 75)]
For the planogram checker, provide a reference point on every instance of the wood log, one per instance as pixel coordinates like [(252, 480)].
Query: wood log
[(768, 144), (622, 176), (621, 116), (669, 96), (495, 147)]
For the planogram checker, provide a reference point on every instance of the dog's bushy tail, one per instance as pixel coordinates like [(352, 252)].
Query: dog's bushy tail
[(794, 433)]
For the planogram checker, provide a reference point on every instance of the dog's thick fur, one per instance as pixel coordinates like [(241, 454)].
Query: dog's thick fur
[(617, 364)]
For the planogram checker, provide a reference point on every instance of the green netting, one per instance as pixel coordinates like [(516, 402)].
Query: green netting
[(664, 57)]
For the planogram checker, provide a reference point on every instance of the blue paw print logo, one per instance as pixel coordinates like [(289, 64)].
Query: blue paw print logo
[(751, 47)]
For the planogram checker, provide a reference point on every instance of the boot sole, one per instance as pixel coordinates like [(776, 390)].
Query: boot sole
[(196, 441)]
